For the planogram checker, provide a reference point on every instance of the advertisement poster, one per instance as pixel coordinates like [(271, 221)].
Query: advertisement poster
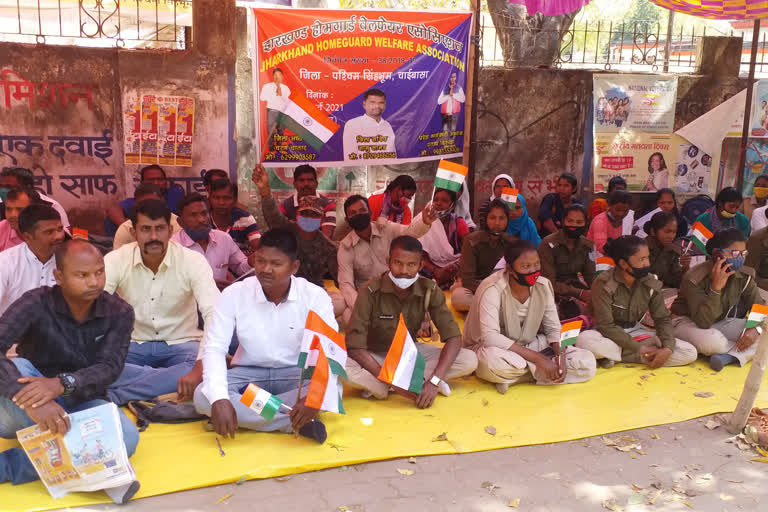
[(159, 129), (759, 121), (756, 163), (633, 123), (352, 88), (694, 169)]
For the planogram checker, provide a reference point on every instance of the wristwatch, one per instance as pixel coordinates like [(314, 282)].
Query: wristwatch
[(68, 382), (435, 380)]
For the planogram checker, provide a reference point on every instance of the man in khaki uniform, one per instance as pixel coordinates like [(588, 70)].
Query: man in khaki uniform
[(375, 318)]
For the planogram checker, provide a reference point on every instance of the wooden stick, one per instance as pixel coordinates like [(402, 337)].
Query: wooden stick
[(751, 386)]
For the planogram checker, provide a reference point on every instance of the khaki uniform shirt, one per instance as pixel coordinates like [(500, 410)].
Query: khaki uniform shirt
[(665, 263), (757, 258), (562, 266), (704, 306), (378, 309), (479, 256), (618, 307)]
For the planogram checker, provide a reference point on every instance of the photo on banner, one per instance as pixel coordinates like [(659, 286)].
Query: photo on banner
[(348, 88), (634, 117), (694, 169), (759, 121)]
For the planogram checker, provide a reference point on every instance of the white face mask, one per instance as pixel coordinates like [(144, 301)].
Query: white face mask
[(403, 282)]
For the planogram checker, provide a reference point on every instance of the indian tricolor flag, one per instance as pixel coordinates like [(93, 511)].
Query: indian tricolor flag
[(325, 388), (509, 196), (404, 366), (261, 401), (756, 316), (569, 332), (700, 235), (450, 176), (604, 263), (303, 118), (318, 334)]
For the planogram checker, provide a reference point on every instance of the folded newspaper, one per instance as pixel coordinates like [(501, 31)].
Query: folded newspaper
[(90, 457)]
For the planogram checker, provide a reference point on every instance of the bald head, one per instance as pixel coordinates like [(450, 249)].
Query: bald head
[(75, 249), (79, 272)]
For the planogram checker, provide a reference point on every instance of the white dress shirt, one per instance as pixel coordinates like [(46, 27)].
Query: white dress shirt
[(269, 94), (758, 221), (269, 334), (366, 126), (166, 303), (21, 271), (222, 253)]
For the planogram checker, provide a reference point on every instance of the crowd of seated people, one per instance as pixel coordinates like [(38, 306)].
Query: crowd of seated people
[(196, 299)]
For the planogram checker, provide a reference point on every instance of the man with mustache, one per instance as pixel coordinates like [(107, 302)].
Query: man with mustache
[(166, 284), (369, 136), (305, 183)]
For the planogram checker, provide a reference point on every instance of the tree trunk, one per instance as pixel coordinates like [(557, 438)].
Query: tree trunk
[(528, 41), (751, 385)]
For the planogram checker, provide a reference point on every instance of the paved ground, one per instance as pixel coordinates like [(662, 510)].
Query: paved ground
[(683, 467)]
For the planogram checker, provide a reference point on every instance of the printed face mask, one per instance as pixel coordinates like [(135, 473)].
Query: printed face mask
[(527, 279)]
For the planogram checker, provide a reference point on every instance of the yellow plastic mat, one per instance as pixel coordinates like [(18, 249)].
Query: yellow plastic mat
[(174, 458)]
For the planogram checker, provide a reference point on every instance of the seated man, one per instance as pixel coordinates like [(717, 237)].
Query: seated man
[(317, 254), (363, 254), (212, 175), (375, 319), (166, 284), (16, 200), (305, 183), (268, 315), (20, 177), (72, 342), (221, 252), (30, 265), (154, 174), (144, 191), (227, 217), (480, 253)]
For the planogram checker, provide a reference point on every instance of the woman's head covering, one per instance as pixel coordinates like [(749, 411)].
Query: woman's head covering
[(497, 178), (523, 226)]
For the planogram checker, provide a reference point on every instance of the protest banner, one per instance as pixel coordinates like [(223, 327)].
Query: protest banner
[(359, 87)]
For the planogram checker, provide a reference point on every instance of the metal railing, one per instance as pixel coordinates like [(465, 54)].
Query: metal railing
[(614, 46), (105, 23)]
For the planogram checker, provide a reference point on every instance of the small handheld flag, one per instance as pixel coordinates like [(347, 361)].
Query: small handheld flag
[(509, 196), (303, 118), (604, 263), (261, 401), (318, 333), (404, 366), (79, 233), (700, 235), (569, 332), (756, 316), (324, 389), (450, 176)]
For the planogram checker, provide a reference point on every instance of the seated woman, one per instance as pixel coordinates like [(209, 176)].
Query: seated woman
[(514, 328), (392, 204), (500, 182), (757, 203), (566, 263), (620, 298), (442, 243), (611, 223), (666, 201), (715, 298), (521, 224), (725, 214), (553, 205), (480, 252), (600, 203), (667, 264)]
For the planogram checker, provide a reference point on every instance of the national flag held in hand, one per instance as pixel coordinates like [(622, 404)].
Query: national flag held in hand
[(569, 332), (509, 196), (325, 388), (303, 118), (450, 176), (756, 316), (603, 263), (261, 401), (700, 236), (404, 366), (318, 333)]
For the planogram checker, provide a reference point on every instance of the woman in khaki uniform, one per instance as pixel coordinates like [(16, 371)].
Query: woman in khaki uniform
[(620, 298), (666, 262)]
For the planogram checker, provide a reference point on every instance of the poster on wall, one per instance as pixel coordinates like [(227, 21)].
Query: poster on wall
[(634, 119), (350, 88), (759, 121), (694, 169), (159, 129)]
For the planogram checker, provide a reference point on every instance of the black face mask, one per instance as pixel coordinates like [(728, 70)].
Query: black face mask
[(360, 222), (640, 272), (574, 231), (527, 279)]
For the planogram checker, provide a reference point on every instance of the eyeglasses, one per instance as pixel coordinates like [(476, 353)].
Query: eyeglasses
[(735, 254)]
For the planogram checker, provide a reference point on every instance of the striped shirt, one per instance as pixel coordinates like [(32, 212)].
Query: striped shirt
[(242, 228)]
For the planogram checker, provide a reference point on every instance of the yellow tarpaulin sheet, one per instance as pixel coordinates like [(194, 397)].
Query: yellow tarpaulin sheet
[(174, 458)]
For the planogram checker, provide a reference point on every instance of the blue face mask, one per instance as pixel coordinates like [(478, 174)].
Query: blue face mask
[(198, 234), (736, 263), (308, 224)]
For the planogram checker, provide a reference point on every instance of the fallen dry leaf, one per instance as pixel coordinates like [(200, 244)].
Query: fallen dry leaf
[(725, 497), (412, 460), (636, 488), (760, 459), (703, 394), (405, 472), (610, 504), (514, 503), (484, 402), (644, 376), (240, 481), (762, 452), (441, 437), (490, 486), (655, 497), (286, 478), (687, 504), (491, 430), (223, 498), (632, 456), (607, 441), (655, 436), (343, 508), (712, 424)]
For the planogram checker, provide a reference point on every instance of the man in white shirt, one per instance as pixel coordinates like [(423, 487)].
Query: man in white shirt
[(275, 94), (31, 264), (166, 284), (124, 235), (268, 314), (759, 219), (369, 137), (221, 252), (20, 177)]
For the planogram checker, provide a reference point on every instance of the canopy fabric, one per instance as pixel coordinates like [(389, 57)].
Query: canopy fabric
[(718, 9), (551, 7)]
